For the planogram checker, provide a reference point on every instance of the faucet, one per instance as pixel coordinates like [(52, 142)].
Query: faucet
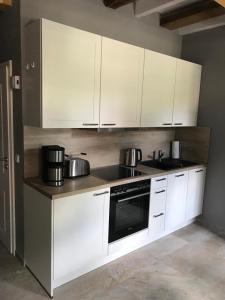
[(160, 155)]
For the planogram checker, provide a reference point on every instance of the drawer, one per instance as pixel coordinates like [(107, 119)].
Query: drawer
[(159, 182), (158, 201), (156, 227)]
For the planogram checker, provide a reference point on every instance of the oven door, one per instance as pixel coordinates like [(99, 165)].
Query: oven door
[(128, 215)]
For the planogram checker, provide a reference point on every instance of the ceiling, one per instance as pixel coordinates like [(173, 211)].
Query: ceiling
[(182, 16)]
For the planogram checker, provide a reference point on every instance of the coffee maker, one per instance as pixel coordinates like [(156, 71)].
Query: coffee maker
[(52, 165)]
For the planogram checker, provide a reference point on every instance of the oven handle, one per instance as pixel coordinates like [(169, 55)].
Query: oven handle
[(133, 197)]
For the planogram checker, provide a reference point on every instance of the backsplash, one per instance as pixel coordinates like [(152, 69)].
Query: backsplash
[(195, 143), (102, 148)]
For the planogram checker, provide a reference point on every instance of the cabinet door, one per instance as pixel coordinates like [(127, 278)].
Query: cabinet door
[(121, 84), (157, 213), (196, 184), (158, 90), (186, 97), (70, 76), (176, 200), (80, 232)]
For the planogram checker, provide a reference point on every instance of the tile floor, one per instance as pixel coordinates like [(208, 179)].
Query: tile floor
[(187, 265)]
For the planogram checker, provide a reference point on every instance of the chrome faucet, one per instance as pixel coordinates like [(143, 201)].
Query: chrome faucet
[(160, 155)]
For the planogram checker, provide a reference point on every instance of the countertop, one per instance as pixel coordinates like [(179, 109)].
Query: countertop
[(90, 183)]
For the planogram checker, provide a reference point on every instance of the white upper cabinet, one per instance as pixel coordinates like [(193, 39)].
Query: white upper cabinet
[(158, 90), (186, 96), (69, 75), (77, 79), (121, 84), (196, 184)]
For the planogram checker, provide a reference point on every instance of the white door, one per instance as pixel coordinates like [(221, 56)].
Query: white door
[(176, 200), (121, 84), (6, 159), (80, 233), (71, 60), (158, 90), (196, 184), (186, 96)]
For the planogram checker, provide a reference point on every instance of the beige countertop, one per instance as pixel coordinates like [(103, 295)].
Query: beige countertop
[(90, 183)]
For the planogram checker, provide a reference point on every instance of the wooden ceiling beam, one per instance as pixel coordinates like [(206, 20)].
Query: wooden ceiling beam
[(117, 3), (191, 14), (5, 3), (221, 2)]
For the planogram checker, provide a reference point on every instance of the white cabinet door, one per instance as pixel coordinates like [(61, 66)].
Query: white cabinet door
[(176, 200), (157, 213), (71, 61), (158, 90), (121, 84), (196, 184), (186, 97), (62, 77), (80, 232)]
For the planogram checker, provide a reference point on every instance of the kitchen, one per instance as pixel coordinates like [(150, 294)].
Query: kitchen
[(131, 160)]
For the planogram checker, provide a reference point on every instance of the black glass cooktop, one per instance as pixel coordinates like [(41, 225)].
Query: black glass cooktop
[(115, 173)]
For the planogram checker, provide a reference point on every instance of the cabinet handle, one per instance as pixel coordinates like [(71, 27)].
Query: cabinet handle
[(157, 216), (181, 175), (158, 180), (160, 192), (109, 124), (90, 124), (178, 124), (199, 171), (100, 194), (167, 124)]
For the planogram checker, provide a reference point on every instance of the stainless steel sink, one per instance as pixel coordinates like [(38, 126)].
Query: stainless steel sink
[(168, 164)]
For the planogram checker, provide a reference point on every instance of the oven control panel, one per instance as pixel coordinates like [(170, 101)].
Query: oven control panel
[(134, 187)]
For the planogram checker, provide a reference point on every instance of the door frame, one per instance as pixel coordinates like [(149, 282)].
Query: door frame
[(10, 124)]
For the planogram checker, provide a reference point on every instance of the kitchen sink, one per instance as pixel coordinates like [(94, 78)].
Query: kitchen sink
[(168, 164)]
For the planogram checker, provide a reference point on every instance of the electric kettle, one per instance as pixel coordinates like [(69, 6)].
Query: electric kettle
[(132, 157)]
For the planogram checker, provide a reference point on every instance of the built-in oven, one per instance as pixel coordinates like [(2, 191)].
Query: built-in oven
[(129, 209)]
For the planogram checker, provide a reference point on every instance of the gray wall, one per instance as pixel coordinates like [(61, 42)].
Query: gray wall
[(10, 50), (93, 16), (208, 49)]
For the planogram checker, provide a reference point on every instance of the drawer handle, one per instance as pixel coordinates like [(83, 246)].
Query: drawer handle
[(90, 124), (181, 175), (100, 194), (167, 124), (159, 192), (109, 124), (178, 124), (199, 171), (157, 216), (163, 179)]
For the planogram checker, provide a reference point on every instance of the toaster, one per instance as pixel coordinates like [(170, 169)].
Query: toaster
[(75, 167)]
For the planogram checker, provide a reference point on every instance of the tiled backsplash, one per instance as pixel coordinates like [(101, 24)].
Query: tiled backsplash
[(102, 148)]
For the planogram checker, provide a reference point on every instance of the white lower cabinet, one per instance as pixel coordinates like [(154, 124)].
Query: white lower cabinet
[(176, 200), (68, 237), (80, 233), (157, 213), (196, 184)]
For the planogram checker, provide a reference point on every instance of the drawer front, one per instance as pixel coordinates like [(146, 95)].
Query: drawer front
[(158, 201), (159, 182), (156, 227)]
